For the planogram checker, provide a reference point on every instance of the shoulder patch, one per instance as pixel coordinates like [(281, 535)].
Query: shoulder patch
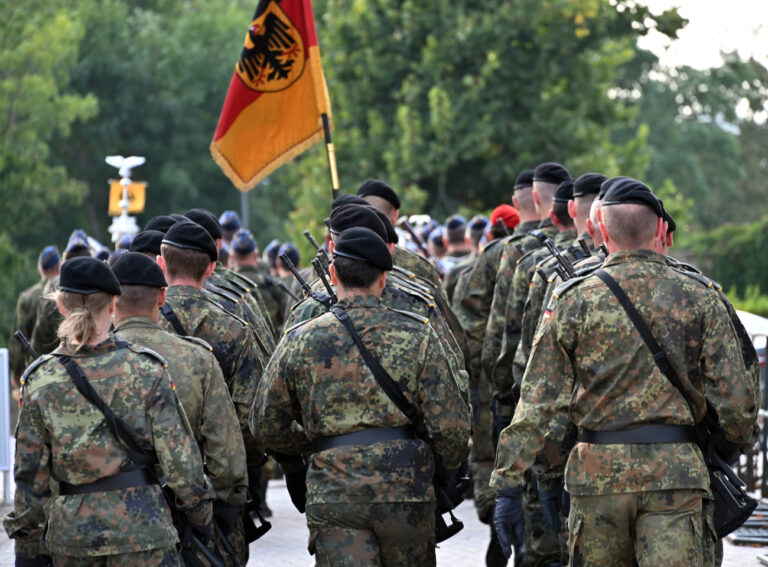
[(148, 351), (34, 366), (197, 341), (409, 314)]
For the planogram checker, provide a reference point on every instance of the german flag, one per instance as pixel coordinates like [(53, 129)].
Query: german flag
[(277, 97)]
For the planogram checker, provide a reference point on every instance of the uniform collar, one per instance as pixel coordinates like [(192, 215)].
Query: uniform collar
[(177, 290), (624, 256), (360, 301), (111, 343), (136, 323)]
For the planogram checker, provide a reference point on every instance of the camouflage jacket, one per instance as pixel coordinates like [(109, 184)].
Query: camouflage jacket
[(513, 312), (45, 336), (317, 385), (200, 386), (61, 436), (451, 277), (275, 300), (233, 346), (589, 364), (415, 263), (493, 333), (24, 321), (252, 296)]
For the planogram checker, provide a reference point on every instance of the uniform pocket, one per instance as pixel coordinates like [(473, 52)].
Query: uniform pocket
[(575, 527)]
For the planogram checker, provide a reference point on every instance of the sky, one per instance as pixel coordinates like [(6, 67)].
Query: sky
[(714, 26)]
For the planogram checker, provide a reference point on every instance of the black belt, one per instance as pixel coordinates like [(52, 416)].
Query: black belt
[(364, 437), (641, 435), (124, 479)]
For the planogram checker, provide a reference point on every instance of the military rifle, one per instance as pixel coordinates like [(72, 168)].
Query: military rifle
[(564, 269), (314, 243), (317, 263), (322, 298), (422, 246), (180, 522), (284, 288)]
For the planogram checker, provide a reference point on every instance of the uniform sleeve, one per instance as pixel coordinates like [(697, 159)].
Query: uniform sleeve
[(446, 415), (276, 407), (222, 441), (541, 418), (177, 452), (247, 374), (32, 473), (495, 330), (727, 383)]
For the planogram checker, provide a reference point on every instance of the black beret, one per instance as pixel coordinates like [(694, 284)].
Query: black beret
[(191, 236), (350, 216), (49, 257), (243, 242), (392, 237), (161, 223), (551, 172), (363, 244), (207, 220), (455, 222), (524, 179), (87, 275), (134, 268), (588, 184), (148, 241), (478, 223), (379, 189), (625, 190), (671, 224), (348, 199), (564, 192)]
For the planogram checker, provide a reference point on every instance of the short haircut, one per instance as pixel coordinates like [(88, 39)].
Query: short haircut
[(593, 210), (456, 235), (382, 204), (185, 263), (79, 252), (630, 225), (524, 200), (354, 274), (138, 298), (498, 231), (546, 191), (584, 205), (561, 213)]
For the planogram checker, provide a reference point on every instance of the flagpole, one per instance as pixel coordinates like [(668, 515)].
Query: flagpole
[(331, 156)]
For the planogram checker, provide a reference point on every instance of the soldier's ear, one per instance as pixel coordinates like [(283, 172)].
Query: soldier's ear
[(334, 278)]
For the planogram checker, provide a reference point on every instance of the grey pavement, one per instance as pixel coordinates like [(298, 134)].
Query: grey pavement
[(286, 544)]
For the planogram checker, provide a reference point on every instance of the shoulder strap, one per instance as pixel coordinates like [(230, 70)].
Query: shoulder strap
[(659, 357), (391, 389), (171, 317), (117, 426)]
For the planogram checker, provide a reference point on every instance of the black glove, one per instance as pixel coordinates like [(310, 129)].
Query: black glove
[(508, 520), (553, 502), (200, 531), (225, 516), (296, 483), (39, 561)]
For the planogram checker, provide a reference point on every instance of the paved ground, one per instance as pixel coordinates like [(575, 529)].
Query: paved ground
[(286, 544)]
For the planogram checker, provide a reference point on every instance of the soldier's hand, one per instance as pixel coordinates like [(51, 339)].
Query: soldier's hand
[(296, 483), (225, 516), (201, 532), (508, 519)]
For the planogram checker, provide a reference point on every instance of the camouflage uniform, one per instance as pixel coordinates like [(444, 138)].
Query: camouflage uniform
[(415, 263), (316, 385), (275, 299), (452, 275), (24, 321), (45, 336), (61, 436), (589, 364), (233, 346)]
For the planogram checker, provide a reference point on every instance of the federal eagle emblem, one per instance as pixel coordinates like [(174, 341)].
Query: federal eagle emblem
[(273, 54)]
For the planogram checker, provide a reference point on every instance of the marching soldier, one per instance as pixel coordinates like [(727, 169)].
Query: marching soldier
[(110, 510), (361, 508)]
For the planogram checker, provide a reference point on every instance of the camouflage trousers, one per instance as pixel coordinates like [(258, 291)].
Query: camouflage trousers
[(541, 543), (663, 527), (163, 557), (387, 534), (483, 450)]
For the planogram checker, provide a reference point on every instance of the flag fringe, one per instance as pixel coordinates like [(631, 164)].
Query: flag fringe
[(248, 184)]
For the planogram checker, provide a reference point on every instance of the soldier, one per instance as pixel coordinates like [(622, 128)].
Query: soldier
[(436, 244), (199, 384), (245, 261), (477, 228), (270, 255), (369, 494), (590, 364), (109, 510), (48, 266), (456, 241), (188, 257), (230, 224), (384, 198)]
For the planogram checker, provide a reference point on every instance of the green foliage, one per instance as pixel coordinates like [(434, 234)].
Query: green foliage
[(752, 301)]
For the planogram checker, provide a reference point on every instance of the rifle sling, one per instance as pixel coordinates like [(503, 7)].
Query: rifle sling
[(173, 319)]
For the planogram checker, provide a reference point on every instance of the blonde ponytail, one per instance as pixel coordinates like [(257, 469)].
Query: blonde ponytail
[(79, 326)]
